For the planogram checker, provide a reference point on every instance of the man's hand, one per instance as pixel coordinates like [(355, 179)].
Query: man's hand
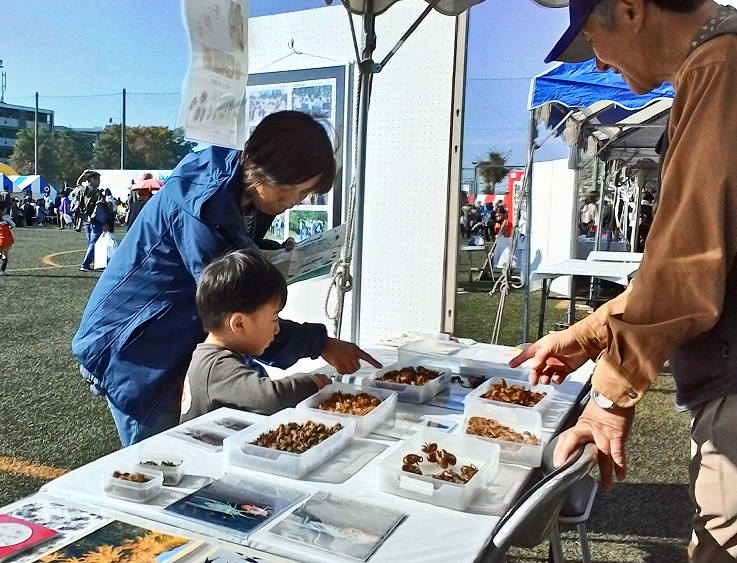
[(609, 430), (321, 380), (289, 244), (553, 357), (345, 356)]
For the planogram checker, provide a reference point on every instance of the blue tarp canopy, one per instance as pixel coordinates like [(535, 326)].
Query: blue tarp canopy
[(603, 101), (6, 184)]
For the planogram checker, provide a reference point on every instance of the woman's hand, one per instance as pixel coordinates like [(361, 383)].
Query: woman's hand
[(345, 356)]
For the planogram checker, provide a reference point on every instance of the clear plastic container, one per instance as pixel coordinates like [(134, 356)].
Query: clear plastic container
[(519, 420), (239, 450), (128, 490), (541, 406), (411, 393), (485, 456), (171, 466), (366, 424), (464, 358)]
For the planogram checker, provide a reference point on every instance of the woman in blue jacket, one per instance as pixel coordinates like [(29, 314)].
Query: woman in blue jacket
[(140, 326)]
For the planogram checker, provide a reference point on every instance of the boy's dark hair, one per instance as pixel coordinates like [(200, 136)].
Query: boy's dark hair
[(240, 282)]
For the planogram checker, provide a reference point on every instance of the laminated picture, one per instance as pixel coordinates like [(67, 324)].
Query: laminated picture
[(203, 436), (118, 541), (70, 523), (340, 525), (236, 504)]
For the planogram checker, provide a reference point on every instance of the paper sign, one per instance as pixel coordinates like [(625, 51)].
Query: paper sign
[(318, 251), (212, 108)]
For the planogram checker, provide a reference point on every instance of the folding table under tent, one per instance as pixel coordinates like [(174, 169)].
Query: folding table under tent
[(598, 116)]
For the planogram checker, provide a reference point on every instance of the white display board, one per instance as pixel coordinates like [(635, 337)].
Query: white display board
[(553, 222), (408, 157)]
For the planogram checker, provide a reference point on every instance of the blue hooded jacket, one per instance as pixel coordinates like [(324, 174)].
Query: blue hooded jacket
[(140, 325)]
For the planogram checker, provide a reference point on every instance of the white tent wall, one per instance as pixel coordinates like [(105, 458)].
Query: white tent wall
[(409, 133), (551, 237), (119, 181)]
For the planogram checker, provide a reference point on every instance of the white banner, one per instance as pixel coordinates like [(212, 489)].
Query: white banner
[(212, 108)]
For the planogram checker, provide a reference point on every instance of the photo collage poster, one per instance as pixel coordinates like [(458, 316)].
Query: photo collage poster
[(321, 97)]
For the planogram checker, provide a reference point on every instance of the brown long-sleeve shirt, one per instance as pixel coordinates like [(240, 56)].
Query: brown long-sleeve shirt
[(680, 288)]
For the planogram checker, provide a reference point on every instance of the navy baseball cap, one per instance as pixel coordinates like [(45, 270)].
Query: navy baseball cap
[(572, 47)]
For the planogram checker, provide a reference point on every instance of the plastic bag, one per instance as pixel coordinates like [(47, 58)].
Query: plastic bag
[(105, 247)]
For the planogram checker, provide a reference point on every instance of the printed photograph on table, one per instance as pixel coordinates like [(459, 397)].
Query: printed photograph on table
[(119, 541), (18, 536), (340, 525), (204, 436), (70, 523), (221, 555), (231, 424), (237, 504)]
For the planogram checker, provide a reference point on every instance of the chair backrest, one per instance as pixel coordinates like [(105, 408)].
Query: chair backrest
[(530, 521)]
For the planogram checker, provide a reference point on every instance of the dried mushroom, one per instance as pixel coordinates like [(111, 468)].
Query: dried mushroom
[(410, 376), (296, 438), (346, 403), (515, 394), (444, 459), (490, 428), (132, 477)]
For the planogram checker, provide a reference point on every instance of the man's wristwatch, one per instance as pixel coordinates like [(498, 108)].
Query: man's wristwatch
[(602, 401)]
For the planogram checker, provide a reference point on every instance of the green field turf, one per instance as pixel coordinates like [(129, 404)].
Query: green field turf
[(48, 418)]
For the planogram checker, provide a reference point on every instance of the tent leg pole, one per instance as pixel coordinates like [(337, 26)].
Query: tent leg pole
[(532, 134), (365, 70)]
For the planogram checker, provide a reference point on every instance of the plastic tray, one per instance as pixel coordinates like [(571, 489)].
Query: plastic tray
[(411, 393), (485, 456), (127, 490), (239, 451), (172, 473), (464, 358), (476, 394), (366, 424), (519, 420)]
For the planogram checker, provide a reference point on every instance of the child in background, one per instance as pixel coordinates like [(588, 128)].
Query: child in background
[(239, 298), (6, 237)]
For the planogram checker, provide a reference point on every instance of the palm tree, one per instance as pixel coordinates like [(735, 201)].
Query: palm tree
[(494, 168)]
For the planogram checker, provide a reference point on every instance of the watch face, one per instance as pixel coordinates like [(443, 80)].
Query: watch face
[(601, 400)]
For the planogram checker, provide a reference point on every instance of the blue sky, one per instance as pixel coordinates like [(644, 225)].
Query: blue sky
[(80, 54)]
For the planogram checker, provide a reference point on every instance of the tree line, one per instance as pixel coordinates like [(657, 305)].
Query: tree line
[(63, 155)]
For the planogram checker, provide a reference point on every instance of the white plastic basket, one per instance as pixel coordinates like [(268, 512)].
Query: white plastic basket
[(541, 406), (366, 424), (241, 452), (411, 393)]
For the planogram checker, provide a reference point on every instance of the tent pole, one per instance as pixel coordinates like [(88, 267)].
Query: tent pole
[(595, 181), (35, 137), (365, 69), (532, 134)]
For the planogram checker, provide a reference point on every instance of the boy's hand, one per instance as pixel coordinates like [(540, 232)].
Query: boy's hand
[(321, 380), (345, 356)]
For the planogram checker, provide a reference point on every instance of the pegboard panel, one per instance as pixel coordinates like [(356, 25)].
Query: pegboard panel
[(408, 154)]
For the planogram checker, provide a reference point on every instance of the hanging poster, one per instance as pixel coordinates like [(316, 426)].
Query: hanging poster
[(319, 92), (212, 108)]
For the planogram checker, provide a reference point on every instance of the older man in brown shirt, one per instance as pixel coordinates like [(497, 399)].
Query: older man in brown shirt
[(683, 303)]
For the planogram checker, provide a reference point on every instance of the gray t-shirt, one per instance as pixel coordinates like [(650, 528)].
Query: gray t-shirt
[(218, 377)]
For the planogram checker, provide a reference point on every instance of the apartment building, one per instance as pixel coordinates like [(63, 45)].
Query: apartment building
[(13, 119)]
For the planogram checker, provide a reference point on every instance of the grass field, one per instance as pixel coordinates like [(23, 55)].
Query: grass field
[(50, 423)]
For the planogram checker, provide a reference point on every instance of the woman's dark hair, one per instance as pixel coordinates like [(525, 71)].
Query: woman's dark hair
[(239, 282), (289, 147)]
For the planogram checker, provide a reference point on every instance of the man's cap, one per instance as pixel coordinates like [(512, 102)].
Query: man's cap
[(572, 47), (91, 173)]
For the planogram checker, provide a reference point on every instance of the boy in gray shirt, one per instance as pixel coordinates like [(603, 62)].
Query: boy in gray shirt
[(239, 298)]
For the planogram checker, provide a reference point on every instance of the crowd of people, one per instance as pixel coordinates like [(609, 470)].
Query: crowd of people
[(488, 221)]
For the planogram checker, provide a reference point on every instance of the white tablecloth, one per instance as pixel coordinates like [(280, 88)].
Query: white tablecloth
[(431, 534), (617, 272)]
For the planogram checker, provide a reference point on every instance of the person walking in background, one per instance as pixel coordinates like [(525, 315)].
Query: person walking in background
[(139, 201), (65, 211), (96, 216), (6, 237)]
